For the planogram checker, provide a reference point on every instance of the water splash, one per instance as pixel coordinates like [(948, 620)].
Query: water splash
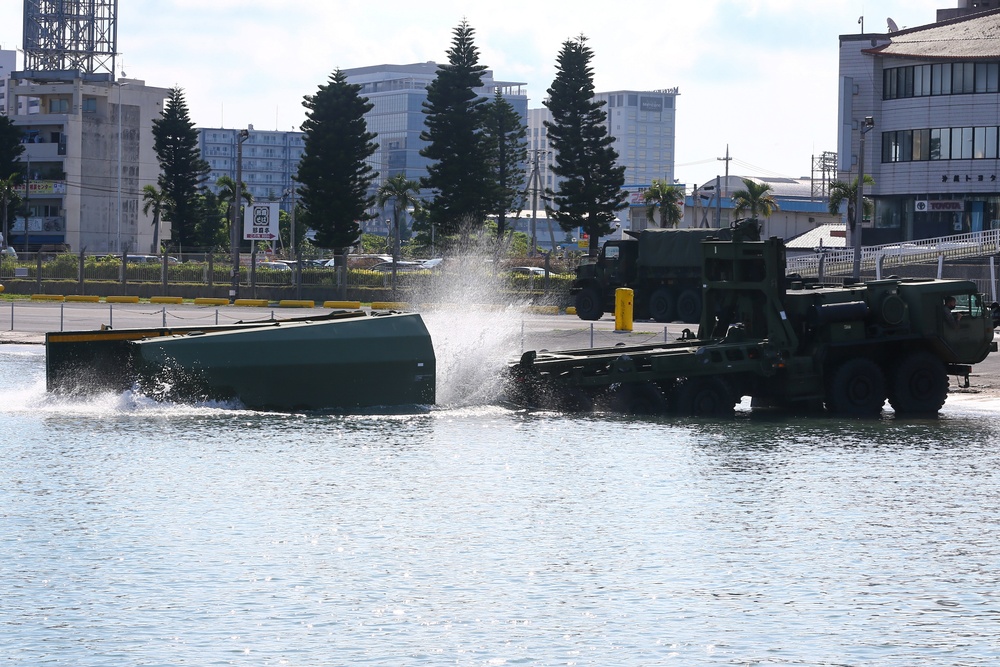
[(475, 324)]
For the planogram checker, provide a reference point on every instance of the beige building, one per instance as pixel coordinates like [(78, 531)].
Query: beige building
[(89, 152)]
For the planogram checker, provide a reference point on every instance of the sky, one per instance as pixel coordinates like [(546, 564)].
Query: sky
[(758, 76)]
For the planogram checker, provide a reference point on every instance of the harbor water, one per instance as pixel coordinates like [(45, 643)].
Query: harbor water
[(138, 533)]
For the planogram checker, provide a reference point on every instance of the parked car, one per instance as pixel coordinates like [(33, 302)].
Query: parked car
[(401, 265), (274, 266), (529, 270)]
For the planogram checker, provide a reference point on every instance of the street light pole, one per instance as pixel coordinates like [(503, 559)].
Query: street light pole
[(118, 242), (234, 232), (859, 207)]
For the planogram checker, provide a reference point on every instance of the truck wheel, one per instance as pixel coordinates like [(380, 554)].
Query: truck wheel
[(856, 389), (661, 305), (689, 306), (919, 385), (637, 398), (703, 397), (588, 304)]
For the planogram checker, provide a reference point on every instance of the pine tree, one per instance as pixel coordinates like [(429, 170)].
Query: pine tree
[(334, 174), (507, 152), (590, 187), (458, 175), (184, 172)]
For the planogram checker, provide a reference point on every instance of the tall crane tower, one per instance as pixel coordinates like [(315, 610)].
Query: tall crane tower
[(71, 35)]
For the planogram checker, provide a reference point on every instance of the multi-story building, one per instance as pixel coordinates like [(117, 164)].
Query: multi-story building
[(931, 98), (398, 93), (89, 152), (270, 161), (643, 124)]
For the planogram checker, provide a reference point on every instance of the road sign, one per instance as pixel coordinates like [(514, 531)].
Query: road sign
[(260, 222)]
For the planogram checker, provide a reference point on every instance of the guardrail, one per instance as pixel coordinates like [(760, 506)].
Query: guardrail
[(876, 259)]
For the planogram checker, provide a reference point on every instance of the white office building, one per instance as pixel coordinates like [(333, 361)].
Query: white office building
[(932, 94)]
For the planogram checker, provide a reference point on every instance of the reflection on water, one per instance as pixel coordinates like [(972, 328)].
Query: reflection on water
[(141, 533)]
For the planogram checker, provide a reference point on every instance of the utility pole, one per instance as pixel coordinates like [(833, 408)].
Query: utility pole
[(725, 186), (234, 231), (859, 208)]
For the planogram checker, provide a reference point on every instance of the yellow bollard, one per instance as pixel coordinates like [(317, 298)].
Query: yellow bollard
[(623, 309)]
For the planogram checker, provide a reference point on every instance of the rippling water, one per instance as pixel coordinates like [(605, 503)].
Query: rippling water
[(133, 533)]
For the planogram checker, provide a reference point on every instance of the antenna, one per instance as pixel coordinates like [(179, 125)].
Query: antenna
[(892, 25)]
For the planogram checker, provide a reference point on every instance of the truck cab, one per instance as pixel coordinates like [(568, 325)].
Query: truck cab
[(615, 265)]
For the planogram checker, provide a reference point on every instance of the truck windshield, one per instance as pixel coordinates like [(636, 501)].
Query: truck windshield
[(970, 304), (611, 252)]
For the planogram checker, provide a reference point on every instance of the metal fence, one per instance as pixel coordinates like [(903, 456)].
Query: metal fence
[(83, 273)]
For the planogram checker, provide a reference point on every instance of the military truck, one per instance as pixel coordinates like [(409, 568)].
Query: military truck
[(661, 266), (781, 340)]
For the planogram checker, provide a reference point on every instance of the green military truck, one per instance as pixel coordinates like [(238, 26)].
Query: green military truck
[(780, 340), (661, 266)]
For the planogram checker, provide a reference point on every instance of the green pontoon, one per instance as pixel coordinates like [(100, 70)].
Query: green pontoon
[(341, 361)]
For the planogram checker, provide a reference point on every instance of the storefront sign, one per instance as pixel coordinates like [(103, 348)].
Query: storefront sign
[(939, 206), (968, 178), (42, 188)]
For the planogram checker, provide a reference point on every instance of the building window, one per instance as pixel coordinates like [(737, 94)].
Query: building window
[(956, 78), (941, 143)]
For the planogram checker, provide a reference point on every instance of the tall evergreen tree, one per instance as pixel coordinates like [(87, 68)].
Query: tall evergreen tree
[(184, 172), (10, 147), (507, 153), (334, 174), (590, 186), (458, 176)]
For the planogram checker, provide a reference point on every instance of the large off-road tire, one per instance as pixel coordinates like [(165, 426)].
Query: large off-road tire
[(919, 384), (573, 399), (637, 398), (661, 305), (856, 389), (588, 304), (703, 397), (689, 306)]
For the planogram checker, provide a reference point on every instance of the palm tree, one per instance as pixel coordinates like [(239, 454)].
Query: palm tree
[(755, 198), (668, 199), (8, 195), (841, 192), (403, 194), (155, 200), (227, 195)]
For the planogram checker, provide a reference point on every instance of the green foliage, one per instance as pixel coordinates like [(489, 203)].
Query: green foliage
[(666, 198), (504, 135), (841, 191), (334, 174), (590, 186), (403, 195), (755, 199), (184, 172), (11, 148), (458, 175)]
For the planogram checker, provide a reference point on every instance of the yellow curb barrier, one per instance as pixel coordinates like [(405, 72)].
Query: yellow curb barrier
[(544, 310), (166, 299), (571, 310), (211, 301), (349, 305), (84, 298), (121, 299), (296, 303), (47, 297), (255, 303), (390, 305)]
